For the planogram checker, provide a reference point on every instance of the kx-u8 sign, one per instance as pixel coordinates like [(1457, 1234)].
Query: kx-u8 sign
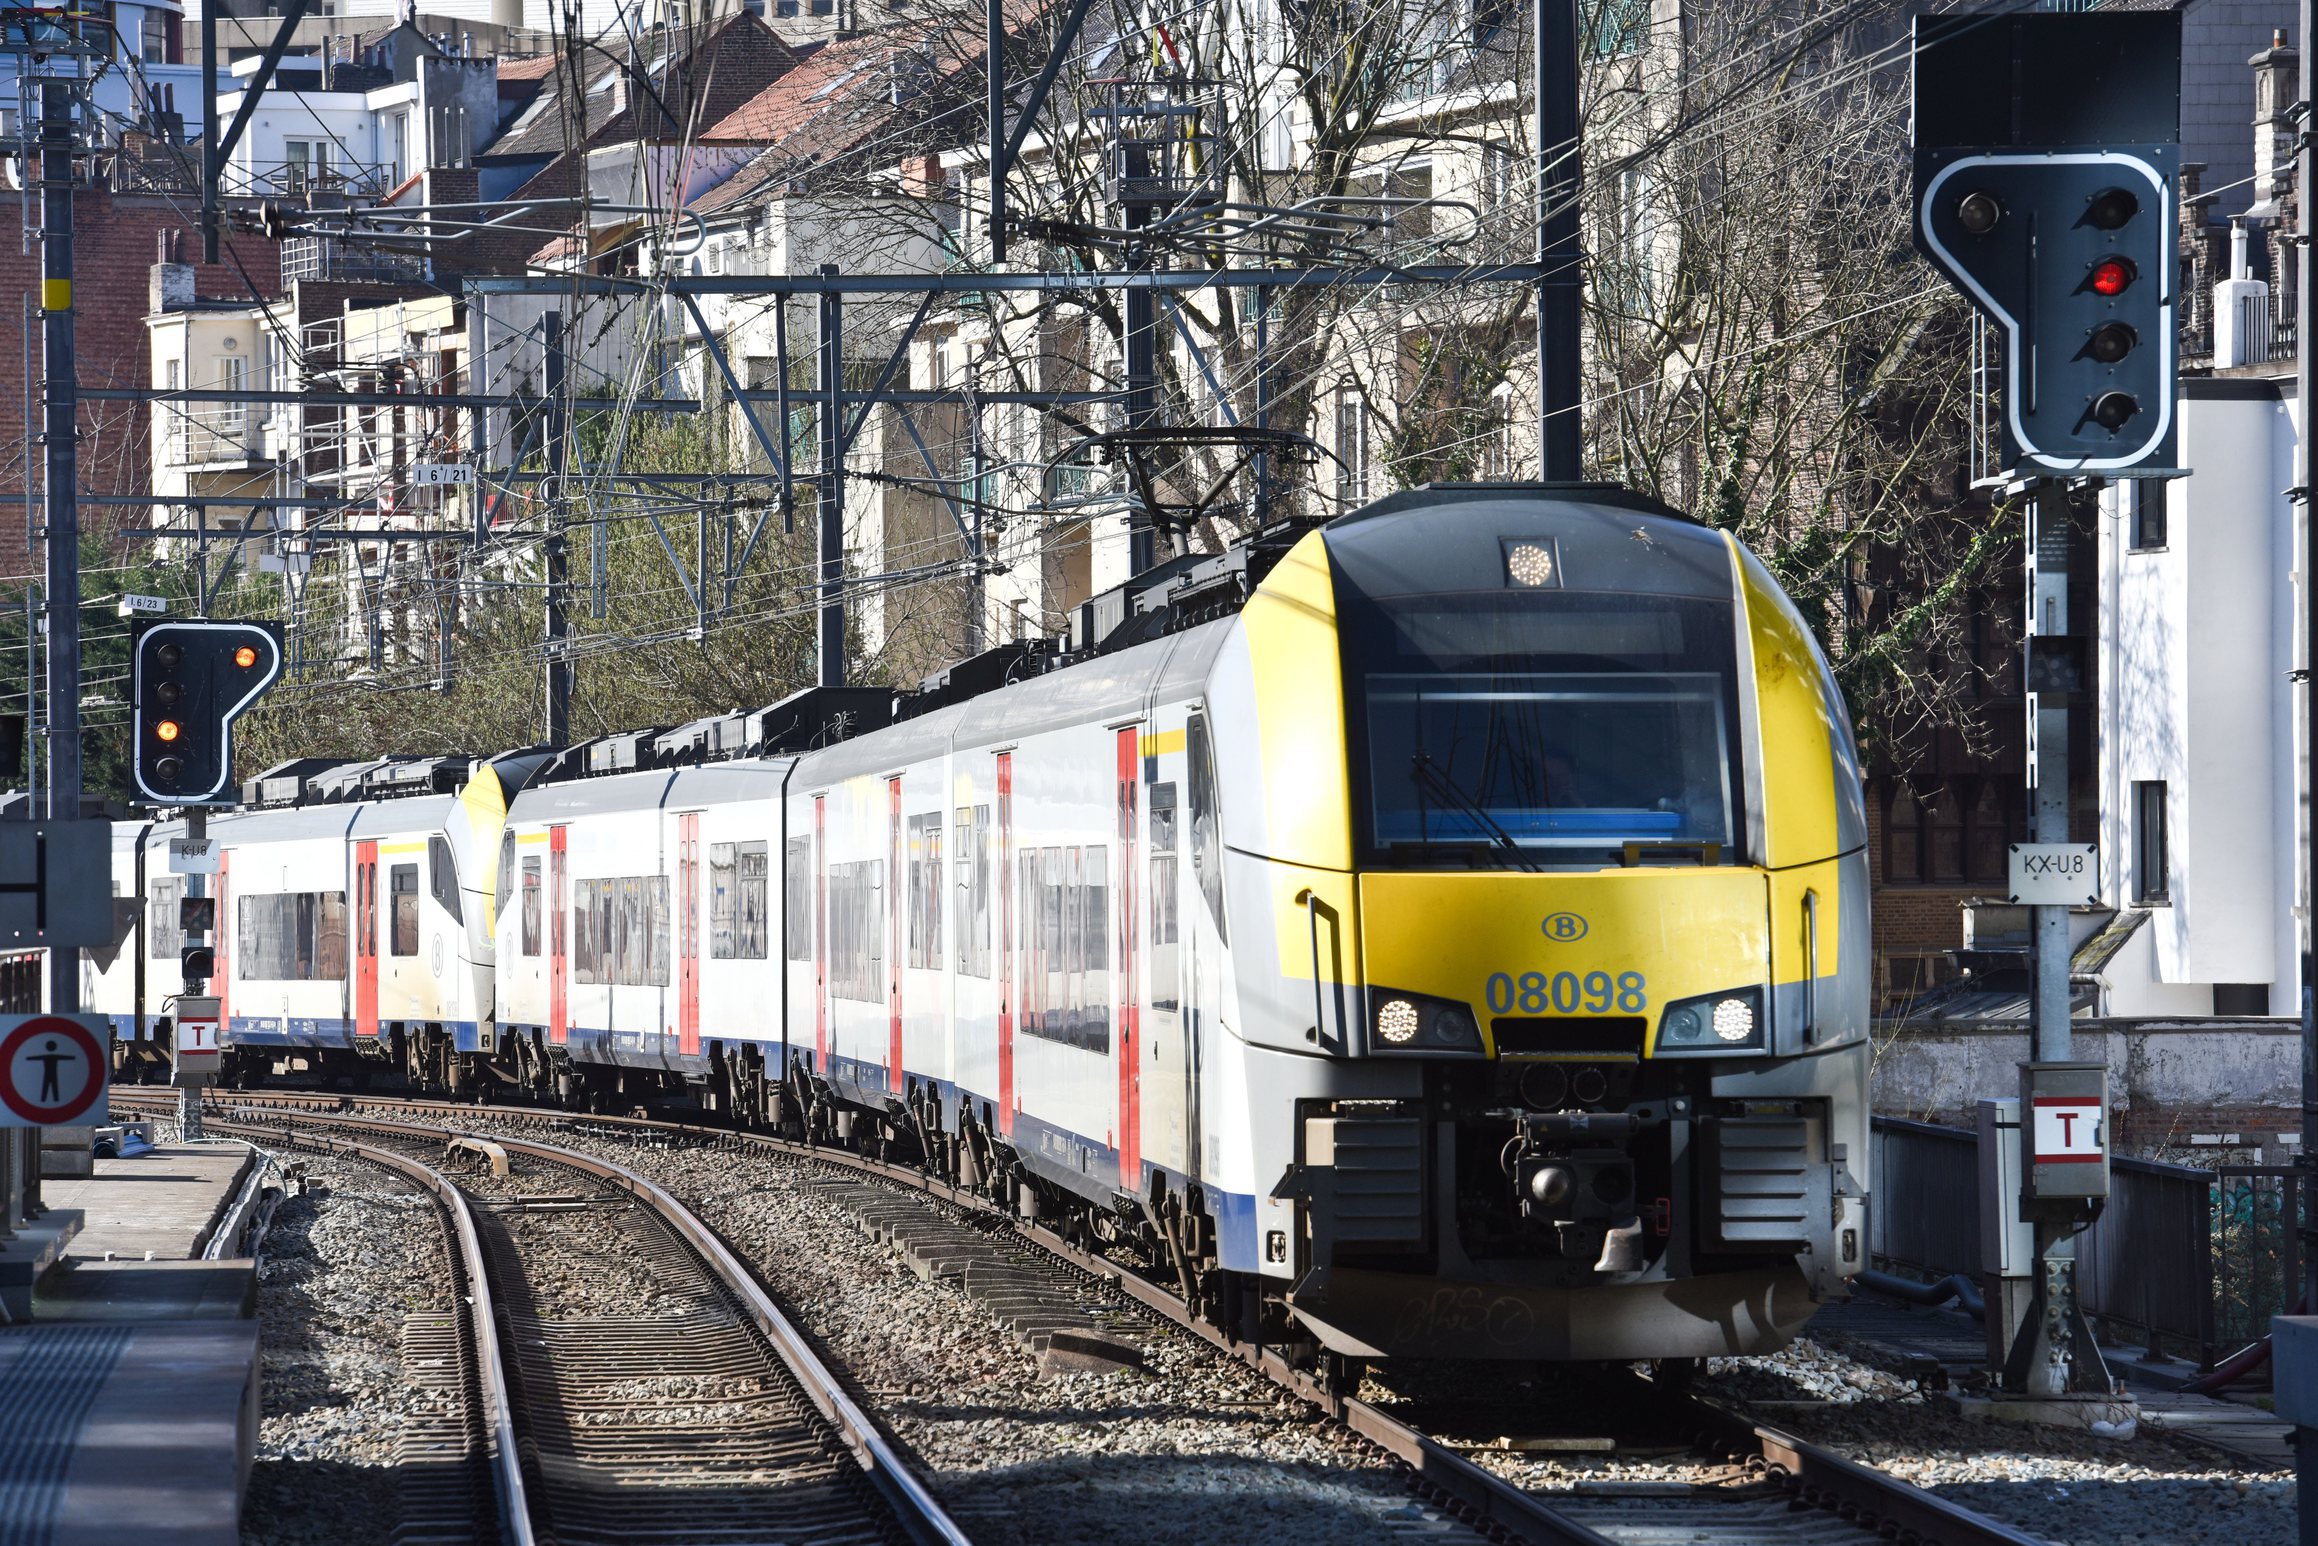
[(191, 681)]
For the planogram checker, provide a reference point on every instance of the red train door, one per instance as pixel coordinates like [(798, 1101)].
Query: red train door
[(1125, 993), (895, 885), (821, 935), (366, 938), (558, 936), (688, 933), (1006, 982), (222, 938)]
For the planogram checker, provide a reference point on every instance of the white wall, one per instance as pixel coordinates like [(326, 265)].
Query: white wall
[(2196, 640)]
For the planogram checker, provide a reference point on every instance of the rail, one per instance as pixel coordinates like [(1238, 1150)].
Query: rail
[(514, 1511), (1819, 1477), (2196, 1258), (921, 1516)]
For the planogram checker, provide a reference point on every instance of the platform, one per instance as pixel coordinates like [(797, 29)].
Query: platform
[(166, 1201), (1914, 1341), (111, 1433)]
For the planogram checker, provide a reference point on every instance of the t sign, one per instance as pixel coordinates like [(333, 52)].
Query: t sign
[(2068, 1130)]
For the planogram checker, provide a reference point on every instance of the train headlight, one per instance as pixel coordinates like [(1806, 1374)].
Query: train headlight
[(1397, 1022), (1712, 1025), (1531, 562), (1417, 1022)]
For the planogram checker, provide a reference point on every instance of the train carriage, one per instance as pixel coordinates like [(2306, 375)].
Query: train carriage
[(1443, 932)]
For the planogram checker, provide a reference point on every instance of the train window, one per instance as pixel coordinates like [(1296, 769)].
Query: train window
[(925, 891), (161, 921), (1166, 933), (620, 931), (531, 904), (403, 887), (857, 931), (290, 936), (736, 901), (506, 890), (1553, 723), (1163, 818), (797, 899), (1206, 821), (1066, 952), (443, 877), (975, 836)]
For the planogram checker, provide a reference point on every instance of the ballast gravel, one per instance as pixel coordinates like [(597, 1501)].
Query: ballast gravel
[(1191, 1448), (2059, 1485), (342, 1264)]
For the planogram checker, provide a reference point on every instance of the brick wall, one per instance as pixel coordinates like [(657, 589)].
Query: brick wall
[(115, 244), (1911, 921)]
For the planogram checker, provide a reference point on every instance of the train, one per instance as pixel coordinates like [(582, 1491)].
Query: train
[(1442, 932)]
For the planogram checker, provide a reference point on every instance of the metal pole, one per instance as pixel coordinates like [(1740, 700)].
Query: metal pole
[(1142, 319), (190, 1083), (830, 501), (2306, 477), (2048, 733), (60, 511), (1560, 451), (558, 552), (994, 55), (211, 169)]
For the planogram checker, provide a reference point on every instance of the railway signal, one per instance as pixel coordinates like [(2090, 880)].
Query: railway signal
[(191, 681), (2045, 156)]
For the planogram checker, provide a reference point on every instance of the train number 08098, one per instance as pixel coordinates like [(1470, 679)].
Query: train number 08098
[(1568, 993)]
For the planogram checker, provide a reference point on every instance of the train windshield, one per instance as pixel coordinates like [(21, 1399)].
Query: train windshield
[(1555, 728)]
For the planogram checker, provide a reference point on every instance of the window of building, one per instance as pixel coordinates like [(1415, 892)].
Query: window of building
[(620, 931), (2246, 999), (974, 835), (737, 925), (1616, 27), (923, 929), (531, 905), (1952, 833), (403, 890), (797, 900), (290, 936), (1351, 447), (2149, 502), (2152, 875)]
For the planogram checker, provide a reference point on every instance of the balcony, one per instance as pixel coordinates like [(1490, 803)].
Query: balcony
[(215, 435), (322, 257)]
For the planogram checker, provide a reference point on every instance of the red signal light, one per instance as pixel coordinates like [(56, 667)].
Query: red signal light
[(2111, 276), (245, 657)]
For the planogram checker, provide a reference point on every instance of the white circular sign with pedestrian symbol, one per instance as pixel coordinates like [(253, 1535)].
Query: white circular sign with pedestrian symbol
[(52, 1069)]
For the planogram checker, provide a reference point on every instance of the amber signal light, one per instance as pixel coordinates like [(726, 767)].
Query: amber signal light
[(245, 657), (167, 729)]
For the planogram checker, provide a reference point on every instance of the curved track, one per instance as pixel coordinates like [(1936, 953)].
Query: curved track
[(1776, 1487), (706, 1417)]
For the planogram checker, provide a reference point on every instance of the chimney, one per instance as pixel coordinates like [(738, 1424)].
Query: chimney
[(2277, 81), (170, 286)]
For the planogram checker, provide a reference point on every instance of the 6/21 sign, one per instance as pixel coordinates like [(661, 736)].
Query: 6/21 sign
[(52, 1069)]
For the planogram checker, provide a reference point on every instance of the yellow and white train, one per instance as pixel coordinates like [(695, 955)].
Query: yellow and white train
[(1444, 932)]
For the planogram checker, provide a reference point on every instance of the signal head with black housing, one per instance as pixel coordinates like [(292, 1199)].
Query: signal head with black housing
[(190, 682), (2046, 154)]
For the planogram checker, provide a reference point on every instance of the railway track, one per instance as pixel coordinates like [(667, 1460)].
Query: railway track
[(640, 1382), (1768, 1487)]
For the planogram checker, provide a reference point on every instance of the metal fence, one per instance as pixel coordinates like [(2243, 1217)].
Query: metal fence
[(2193, 1260)]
